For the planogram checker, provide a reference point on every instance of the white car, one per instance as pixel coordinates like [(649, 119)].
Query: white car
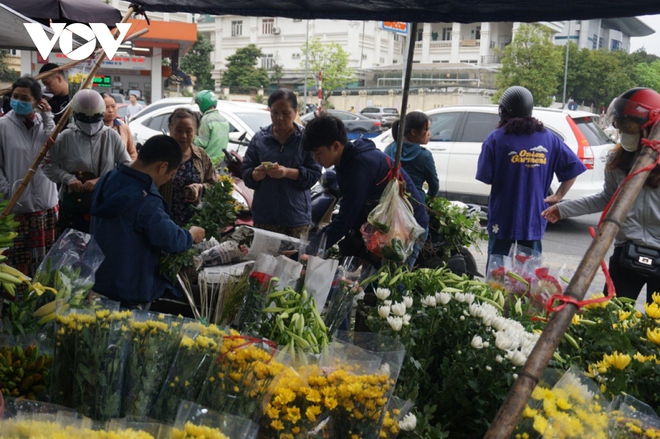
[(244, 122), (182, 101), (457, 133)]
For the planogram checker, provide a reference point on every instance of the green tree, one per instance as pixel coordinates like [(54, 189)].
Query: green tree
[(532, 62), (648, 75), (198, 62), (608, 76), (276, 74), (332, 61), (242, 71), (6, 73)]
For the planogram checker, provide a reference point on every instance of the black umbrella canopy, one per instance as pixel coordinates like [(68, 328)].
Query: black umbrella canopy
[(66, 11), (462, 11)]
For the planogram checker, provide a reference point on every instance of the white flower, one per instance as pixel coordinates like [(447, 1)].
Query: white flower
[(408, 301), (399, 309), (518, 359), (384, 311), (387, 302), (476, 310), (499, 323), (460, 297), (486, 344), (462, 318), (384, 369), (515, 376), (499, 359), (469, 298), (488, 319), (488, 368), (502, 341), (382, 293), (406, 319), (408, 423), (443, 298), (477, 342), (429, 301), (395, 322)]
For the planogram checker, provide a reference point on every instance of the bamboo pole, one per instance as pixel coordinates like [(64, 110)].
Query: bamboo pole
[(507, 417), (405, 91), (70, 64), (60, 125)]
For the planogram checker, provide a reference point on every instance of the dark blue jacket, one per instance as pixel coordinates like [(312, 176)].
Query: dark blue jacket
[(281, 202), (131, 225), (419, 164), (362, 175)]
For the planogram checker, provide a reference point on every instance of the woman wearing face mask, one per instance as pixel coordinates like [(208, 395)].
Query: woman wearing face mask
[(80, 155), (23, 132), (195, 174), (415, 160), (632, 114), (111, 120)]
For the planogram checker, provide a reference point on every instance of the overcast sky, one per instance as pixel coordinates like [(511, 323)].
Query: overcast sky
[(652, 42)]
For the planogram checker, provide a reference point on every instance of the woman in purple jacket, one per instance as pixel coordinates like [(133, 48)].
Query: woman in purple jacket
[(279, 171)]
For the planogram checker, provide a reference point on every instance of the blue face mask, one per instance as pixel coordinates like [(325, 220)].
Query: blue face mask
[(21, 108)]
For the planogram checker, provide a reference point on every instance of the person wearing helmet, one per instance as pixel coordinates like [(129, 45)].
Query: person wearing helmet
[(633, 113), (82, 153), (519, 160), (213, 133)]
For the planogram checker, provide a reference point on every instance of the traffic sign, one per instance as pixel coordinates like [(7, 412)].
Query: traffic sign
[(399, 27)]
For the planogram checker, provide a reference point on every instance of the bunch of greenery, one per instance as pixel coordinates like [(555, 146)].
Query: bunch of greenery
[(455, 224), (218, 209)]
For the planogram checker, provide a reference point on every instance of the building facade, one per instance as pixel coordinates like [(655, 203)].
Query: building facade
[(608, 34)]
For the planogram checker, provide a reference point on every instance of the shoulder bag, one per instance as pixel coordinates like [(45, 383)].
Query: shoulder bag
[(643, 260), (81, 202)]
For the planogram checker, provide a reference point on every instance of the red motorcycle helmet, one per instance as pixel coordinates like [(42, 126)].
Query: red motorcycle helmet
[(633, 109)]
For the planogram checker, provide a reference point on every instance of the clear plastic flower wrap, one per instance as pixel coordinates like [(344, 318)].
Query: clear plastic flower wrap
[(24, 418), (358, 400), (630, 418), (573, 407), (194, 421), (298, 406), (260, 282), (198, 349), (396, 410), (240, 378), (154, 343), (391, 229), (102, 339)]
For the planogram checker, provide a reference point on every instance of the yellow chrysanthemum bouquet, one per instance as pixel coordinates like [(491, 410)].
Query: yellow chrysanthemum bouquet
[(198, 349)]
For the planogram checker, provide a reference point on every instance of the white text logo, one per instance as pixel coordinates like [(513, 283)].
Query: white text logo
[(91, 33)]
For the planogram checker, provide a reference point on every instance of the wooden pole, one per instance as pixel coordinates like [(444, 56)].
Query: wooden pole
[(74, 63), (405, 92), (60, 125), (508, 415)]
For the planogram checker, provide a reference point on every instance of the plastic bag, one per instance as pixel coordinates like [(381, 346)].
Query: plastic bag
[(391, 229), (70, 266), (631, 418), (194, 420), (259, 284), (397, 409), (198, 349)]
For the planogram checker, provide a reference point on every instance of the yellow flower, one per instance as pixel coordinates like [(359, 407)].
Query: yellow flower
[(653, 336), (563, 404), (656, 297), (576, 319), (652, 310), (540, 423), (619, 361), (277, 425), (624, 315)]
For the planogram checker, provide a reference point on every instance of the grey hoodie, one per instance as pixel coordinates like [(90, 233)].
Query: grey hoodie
[(75, 151), (18, 149), (641, 225)]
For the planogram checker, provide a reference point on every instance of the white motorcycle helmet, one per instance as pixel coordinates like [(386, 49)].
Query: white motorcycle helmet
[(88, 110)]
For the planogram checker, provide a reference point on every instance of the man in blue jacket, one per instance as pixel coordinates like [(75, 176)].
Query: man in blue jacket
[(132, 227), (362, 172)]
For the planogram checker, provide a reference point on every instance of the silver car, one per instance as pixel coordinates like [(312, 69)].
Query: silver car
[(386, 115)]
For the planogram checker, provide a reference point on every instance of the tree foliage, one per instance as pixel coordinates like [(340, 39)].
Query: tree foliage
[(242, 71), (648, 75), (197, 62), (532, 62), (6, 73), (332, 61)]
